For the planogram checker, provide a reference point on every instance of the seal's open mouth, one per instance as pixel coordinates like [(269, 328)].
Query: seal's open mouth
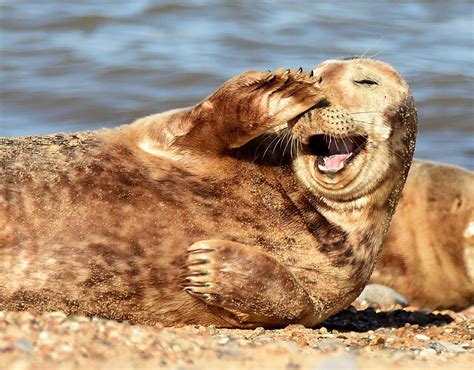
[(334, 153)]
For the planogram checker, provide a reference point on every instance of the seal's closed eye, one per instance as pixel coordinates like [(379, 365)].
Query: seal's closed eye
[(365, 81)]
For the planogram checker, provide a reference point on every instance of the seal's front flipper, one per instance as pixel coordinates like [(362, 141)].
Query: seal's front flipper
[(247, 106), (245, 286)]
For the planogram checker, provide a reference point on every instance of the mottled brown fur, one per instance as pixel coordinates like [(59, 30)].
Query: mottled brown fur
[(428, 255), (105, 223)]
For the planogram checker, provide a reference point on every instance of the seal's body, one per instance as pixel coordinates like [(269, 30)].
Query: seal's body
[(175, 219), (428, 255)]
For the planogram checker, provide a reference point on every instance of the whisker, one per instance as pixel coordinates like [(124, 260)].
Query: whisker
[(345, 146), (266, 137), (287, 139), (376, 54), (350, 139), (279, 143), (269, 146), (364, 53), (292, 147)]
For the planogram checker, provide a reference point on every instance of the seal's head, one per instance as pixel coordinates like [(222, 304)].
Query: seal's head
[(362, 136)]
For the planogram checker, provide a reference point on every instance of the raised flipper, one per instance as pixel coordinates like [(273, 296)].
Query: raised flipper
[(245, 286), (243, 108)]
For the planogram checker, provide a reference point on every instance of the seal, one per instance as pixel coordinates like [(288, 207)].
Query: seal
[(195, 216), (428, 255)]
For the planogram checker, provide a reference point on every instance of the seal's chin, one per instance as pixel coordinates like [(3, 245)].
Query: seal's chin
[(334, 153)]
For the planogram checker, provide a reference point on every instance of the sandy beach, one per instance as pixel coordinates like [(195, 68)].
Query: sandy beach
[(354, 339)]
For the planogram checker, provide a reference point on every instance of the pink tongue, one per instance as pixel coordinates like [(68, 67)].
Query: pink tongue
[(334, 162)]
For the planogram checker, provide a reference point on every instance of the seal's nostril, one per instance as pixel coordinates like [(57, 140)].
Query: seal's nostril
[(320, 79), (323, 103)]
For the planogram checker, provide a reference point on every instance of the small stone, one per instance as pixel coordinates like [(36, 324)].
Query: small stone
[(223, 340), (258, 331), (327, 345), (422, 337), (176, 348), (263, 339), (443, 346), (212, 329), (66, 347), (25, 345), (44, 335), (74, 326), (427, 352), (137, 333), (346, 361)]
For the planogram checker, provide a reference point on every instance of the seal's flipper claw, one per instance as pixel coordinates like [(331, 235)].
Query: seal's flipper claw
[(199, 250)]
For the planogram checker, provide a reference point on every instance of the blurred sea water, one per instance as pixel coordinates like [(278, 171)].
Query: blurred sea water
[(79, 65)]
